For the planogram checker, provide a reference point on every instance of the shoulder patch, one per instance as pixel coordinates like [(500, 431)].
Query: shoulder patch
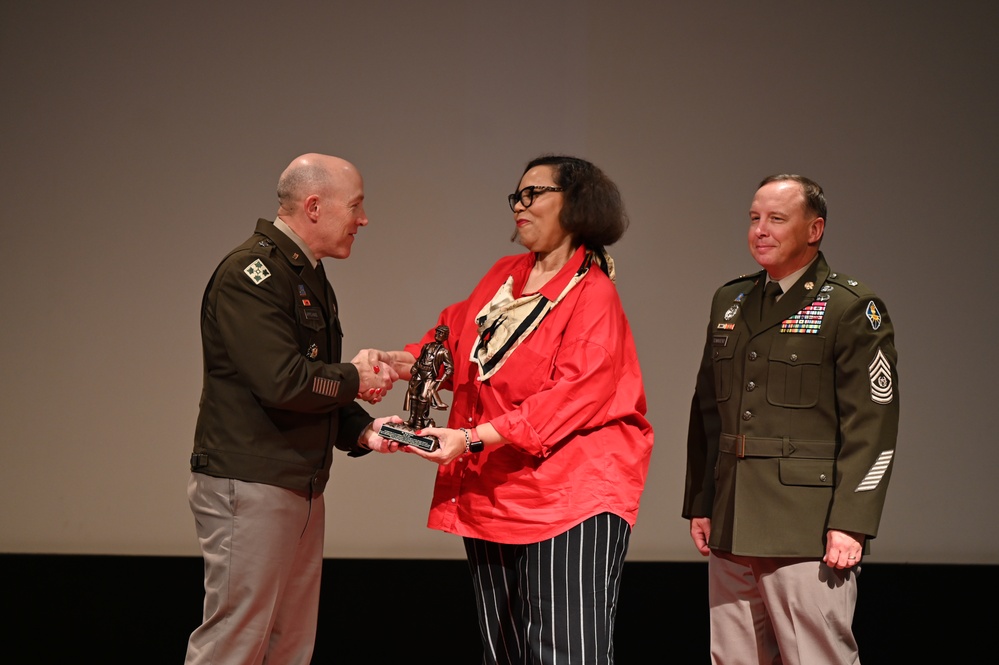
[(257, 271), (873, 315)]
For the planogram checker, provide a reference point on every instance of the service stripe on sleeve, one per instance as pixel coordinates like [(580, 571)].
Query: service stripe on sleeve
[(876, 473)]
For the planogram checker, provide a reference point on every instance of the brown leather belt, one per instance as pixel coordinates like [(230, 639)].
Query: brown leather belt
[(741, 445)]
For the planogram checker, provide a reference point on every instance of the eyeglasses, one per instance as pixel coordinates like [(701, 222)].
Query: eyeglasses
[(526, 196)]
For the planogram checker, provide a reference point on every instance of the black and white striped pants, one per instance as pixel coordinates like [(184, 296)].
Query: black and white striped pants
[(553, 602)]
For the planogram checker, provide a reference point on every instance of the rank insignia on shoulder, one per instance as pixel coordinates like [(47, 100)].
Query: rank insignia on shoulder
[(257, 271), (873, 315), (881, 385)]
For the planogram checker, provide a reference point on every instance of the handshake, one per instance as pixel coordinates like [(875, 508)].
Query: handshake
[(377, 371), (426, 374)]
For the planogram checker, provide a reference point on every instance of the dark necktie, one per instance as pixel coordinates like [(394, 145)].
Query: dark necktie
[(770, 294)]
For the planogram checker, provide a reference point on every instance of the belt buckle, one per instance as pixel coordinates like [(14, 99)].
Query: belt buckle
[(740, 445)]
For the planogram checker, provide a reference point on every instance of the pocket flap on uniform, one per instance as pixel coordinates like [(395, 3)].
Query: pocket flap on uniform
[(797, 349), (807, 472)]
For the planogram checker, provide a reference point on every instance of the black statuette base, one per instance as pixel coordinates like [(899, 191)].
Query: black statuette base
[(406, 436)]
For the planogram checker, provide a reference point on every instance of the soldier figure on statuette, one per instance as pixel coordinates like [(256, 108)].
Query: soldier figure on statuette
[(434, 366), (431, 369)]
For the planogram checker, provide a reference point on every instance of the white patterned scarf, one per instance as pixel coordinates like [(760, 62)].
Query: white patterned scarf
[(506, 321)]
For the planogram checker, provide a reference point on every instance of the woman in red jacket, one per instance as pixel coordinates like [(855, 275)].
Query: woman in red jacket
[(547, 448)]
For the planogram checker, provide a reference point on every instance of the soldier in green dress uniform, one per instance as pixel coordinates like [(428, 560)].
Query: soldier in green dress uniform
[(791, 440)]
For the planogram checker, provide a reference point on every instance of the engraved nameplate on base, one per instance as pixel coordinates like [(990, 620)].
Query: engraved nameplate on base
[(407, 436)]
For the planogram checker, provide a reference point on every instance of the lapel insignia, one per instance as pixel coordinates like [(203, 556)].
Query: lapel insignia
[(881, 387), (257, 271), (809, 286), (873, 315)]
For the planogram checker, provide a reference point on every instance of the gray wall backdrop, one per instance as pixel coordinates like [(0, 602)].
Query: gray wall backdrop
[(141, 140)]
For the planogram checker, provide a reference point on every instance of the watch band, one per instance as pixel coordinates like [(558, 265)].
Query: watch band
[(472, 446)]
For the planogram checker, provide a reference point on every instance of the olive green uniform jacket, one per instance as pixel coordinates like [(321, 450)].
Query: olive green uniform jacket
[(794, 418), (276, 398)]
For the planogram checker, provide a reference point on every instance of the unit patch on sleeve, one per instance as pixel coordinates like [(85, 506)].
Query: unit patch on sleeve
[(257, 271), (881, 386), (873, 315), (876, 472)]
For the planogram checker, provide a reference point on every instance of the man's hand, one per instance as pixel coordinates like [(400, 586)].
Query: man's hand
[(700, 531), (844, 549), (372, 441), (376, 372)]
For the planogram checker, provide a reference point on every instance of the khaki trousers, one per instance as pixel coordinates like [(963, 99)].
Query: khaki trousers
[(779, 611), (263, 552)]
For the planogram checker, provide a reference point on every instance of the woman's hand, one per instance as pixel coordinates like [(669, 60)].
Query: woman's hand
[(452, 445)]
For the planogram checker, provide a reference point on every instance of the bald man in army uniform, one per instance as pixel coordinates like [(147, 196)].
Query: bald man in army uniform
[(276, 400), (791, 441)]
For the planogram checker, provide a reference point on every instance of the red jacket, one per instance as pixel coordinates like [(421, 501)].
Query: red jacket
[(570, 399)]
